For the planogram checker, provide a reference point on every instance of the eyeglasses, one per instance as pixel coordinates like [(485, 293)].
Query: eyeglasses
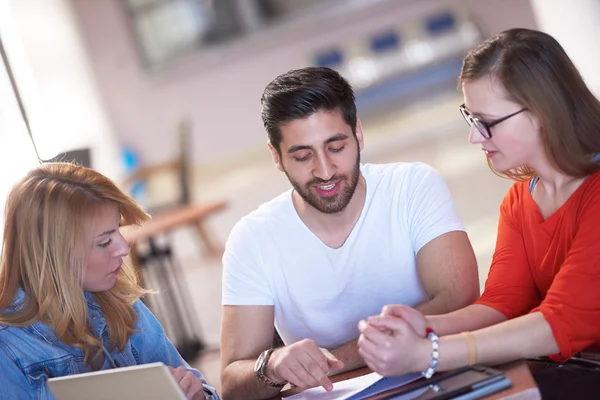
[(484, 127)]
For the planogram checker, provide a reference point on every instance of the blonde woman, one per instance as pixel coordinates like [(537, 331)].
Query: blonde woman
[(68, 304)]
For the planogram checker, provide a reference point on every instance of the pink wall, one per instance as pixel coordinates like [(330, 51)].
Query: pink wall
[(220, 88)]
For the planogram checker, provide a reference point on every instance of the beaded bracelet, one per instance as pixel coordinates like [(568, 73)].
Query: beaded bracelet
[(435, 353)]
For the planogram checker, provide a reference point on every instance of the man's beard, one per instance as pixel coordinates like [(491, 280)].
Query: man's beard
[(333, 204)]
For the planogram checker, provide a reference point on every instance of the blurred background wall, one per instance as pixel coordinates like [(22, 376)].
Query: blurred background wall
[(156, 61)]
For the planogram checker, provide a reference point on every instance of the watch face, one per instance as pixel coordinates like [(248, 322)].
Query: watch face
[(258, 366), (259, 370)]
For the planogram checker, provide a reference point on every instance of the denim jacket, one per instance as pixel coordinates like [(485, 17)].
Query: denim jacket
[(32, 354)]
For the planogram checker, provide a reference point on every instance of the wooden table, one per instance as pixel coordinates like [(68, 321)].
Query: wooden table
[(523, 386)]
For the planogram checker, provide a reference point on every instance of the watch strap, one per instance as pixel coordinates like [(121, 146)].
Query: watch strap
[(260, 370)]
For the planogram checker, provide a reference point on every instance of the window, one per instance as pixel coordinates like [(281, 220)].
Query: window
[(166, 29)]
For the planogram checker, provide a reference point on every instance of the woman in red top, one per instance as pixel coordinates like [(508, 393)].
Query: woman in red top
[(537, 123)]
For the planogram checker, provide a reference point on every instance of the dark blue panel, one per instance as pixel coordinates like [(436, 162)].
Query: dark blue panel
[(331, 58), (405, 85), (385, 42), (440, 23)]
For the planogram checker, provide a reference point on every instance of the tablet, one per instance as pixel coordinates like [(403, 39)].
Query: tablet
[(466, 383), (138, 382)]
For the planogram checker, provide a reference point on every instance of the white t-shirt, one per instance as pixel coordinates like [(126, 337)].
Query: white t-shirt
[(321, 293)]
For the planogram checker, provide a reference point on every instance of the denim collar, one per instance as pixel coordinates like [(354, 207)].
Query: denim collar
[(43, 330), (20, 297)]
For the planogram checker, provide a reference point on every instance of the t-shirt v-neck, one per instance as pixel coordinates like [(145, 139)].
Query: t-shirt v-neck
[(334, 252)]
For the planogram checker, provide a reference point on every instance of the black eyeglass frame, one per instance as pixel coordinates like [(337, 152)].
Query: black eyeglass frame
[(473, 120)]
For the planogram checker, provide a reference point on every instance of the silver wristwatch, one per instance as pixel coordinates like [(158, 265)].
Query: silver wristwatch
[(260, 368)]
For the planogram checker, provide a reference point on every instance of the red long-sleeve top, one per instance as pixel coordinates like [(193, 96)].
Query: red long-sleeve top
[(551, 266)]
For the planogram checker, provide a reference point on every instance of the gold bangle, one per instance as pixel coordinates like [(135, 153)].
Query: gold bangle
[(472, 348)]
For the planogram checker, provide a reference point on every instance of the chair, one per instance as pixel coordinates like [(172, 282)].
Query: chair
[(158, 265), (180, 169)]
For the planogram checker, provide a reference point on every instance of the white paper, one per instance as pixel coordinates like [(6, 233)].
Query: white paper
[(351, 387), (341, 390)]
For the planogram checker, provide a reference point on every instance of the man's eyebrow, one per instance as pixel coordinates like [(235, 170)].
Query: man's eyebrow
[(334, 138), (299, 147)]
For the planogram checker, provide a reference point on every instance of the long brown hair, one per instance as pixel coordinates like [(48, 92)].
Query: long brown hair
[(45, 247), (537, 73)]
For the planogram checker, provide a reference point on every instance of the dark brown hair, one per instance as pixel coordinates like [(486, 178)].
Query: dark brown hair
[(537, 73), (302, 92)]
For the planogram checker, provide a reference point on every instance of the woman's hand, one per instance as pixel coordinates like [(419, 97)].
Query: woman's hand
[(188, 382), (394, 342), (411, 316)]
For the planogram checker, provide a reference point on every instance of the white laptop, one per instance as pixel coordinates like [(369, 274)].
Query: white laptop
[(139, 382)]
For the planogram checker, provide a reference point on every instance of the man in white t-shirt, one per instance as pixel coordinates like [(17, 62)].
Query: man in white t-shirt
[(345, 241)]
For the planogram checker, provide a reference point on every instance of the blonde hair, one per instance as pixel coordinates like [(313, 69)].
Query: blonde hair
[(45, 248)]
